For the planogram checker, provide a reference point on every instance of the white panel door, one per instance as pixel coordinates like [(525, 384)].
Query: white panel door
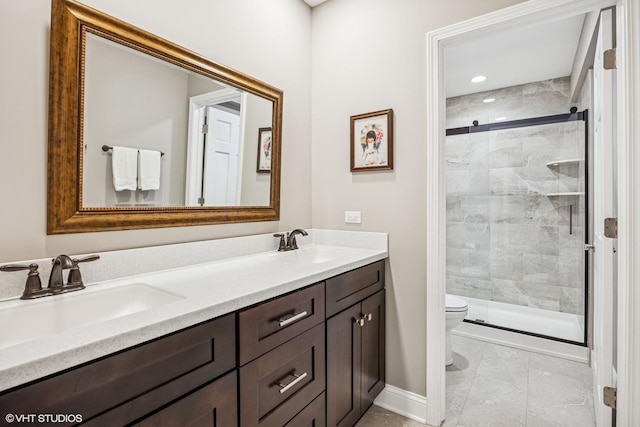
[(220, 181), (604, 207)]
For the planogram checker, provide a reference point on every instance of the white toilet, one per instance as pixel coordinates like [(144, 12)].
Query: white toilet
[(456, 311)]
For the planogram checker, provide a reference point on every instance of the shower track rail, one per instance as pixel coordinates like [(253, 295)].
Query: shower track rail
[(534, 121)]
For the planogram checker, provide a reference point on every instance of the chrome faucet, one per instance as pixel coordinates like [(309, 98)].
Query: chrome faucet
[(290, 244)]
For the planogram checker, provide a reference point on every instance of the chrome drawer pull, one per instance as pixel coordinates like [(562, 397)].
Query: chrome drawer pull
[(292, 383), (295, 317)]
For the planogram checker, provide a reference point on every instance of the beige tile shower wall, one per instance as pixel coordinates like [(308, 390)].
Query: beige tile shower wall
[(508, 241), (269, 40), (370, 55)]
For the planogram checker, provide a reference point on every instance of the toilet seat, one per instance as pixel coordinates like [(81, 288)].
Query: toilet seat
[(455, 304)]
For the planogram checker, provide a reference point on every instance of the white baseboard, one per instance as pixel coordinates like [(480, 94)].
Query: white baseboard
[(402, 402)]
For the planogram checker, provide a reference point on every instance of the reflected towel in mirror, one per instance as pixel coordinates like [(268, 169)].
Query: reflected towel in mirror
[(149, 169), (124, 163)]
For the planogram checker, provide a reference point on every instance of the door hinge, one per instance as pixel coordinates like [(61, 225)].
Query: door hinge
[(205, 128), (610, 396), (609, 59), (611, 228)]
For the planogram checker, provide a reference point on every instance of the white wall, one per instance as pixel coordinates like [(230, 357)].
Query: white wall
[(369, 55), (255, 186), (150, 119), (271, 42)]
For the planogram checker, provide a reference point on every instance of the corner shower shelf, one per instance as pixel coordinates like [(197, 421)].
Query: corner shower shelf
[(568, 198), (567, 167), (566, 194), (557, 163)]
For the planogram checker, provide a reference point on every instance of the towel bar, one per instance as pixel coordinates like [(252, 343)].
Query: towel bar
[(107, 148)]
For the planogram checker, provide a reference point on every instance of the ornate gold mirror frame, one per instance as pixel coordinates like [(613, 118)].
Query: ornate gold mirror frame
[(70, 21)]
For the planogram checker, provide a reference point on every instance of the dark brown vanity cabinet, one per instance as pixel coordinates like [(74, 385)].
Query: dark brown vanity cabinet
[(177, 370), (313, 357), (355, 343), (282, 357)]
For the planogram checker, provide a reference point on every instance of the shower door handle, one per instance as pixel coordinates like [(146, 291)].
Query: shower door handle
[(589, 247)]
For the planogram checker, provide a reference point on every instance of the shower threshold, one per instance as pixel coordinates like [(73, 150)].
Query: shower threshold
[(522, 341), (553, 325)]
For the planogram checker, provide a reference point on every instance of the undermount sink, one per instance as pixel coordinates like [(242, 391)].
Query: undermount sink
[(53, 315), (313, 254)]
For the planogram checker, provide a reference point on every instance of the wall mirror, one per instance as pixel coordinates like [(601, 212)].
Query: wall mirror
[(144, 133)]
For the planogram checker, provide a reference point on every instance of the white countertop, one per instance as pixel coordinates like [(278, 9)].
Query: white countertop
[(209, 290)]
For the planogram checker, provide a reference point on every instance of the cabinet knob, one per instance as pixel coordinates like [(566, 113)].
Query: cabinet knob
[(369, 316), (359, 321)]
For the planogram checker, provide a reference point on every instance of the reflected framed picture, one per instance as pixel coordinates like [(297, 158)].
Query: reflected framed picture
[(372, 141), (264, 150)]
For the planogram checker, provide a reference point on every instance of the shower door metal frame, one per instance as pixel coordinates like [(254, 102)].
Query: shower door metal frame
[(539, 121)]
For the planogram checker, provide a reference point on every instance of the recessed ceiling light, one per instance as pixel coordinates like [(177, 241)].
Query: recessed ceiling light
[(487, 100), (478, 79), (499, 119)]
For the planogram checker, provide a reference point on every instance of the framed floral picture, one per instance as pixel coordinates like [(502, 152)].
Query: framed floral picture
[(372, 141), (264, 150)]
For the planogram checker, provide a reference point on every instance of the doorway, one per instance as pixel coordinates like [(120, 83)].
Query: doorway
[(525, 14), (215, 147)]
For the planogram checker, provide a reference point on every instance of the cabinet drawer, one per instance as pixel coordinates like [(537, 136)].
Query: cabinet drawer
[(265, 326), (352, 287), (215, 404), (313, 415), (136, 381), (279, 384)]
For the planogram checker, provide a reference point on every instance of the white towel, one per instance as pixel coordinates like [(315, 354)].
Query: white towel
[(149, 169), (124, 164)]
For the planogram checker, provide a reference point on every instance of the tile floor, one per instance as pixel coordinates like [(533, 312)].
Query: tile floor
[(379, 417), (497, 386)]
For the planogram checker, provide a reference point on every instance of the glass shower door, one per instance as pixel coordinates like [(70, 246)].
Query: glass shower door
[(516, 224)]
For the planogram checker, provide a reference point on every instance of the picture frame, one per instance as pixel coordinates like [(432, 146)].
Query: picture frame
[(372, 141), (265, 139)]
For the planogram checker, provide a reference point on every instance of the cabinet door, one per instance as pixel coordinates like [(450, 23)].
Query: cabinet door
[(125, 386), (373, 349), (213, 405), (343, 367)]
